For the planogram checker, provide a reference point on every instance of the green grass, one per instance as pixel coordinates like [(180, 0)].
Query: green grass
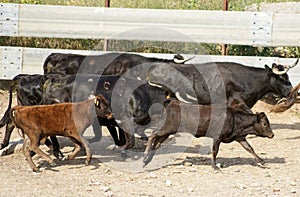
[(149, 46)]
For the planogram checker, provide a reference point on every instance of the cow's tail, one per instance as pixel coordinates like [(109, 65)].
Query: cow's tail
[(5, 119), (13, 119), (291, 100)]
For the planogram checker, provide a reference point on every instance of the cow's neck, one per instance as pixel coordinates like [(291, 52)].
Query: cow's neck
[(261, 88), (244, 123), (85, 108)]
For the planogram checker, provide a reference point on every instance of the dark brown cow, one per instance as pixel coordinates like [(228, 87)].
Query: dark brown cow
[(222, 123), (64, 119)]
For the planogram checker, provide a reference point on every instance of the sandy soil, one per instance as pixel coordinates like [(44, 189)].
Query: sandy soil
[(181, 168)]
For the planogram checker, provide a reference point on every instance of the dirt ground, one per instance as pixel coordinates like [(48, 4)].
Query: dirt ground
[(177, 170)]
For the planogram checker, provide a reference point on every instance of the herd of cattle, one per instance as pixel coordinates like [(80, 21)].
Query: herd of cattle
[(129, 93)]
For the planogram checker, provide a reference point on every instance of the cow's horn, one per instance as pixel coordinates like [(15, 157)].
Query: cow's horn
[(295, 64), (285, 68), (179, 61), (177, 94), (276, 71), (154, 84)]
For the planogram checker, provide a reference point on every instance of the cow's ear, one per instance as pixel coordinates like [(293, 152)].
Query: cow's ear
[(257, 117), (267, 68), (97, 102), (260, 116)]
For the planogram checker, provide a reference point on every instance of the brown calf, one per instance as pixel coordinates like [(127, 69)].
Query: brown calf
[(64, 119), (223, 124)]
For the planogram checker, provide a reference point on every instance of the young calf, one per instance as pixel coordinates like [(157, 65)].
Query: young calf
[(64, 119), (223, 124)]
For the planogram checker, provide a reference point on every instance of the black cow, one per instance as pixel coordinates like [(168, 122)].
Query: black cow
[(106, 64), (222, 123), (220, 82), (29, 93)]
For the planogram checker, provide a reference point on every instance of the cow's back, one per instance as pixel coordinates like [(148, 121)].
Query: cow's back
[(199, 120), (47, 118)]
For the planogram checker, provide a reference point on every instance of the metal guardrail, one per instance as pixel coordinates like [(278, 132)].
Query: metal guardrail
[(245, 28)]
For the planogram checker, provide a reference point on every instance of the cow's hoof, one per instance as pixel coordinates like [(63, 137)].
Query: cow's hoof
[(145, 162), (124, 155), (65, 158), (53, 164), (35, 169), (261, 161), (87, 162), (58, 154), (216, 168), (265, 166)]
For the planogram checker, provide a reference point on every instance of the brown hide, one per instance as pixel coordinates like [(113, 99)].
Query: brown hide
[(56, 119), (65, 119), (222, 123)]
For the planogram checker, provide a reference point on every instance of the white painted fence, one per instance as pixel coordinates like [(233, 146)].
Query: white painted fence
[(230, 27), (246, 28)]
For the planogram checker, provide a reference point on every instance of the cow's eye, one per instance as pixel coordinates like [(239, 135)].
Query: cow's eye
[(106, 85)]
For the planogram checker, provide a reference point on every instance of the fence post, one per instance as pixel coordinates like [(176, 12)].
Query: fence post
[(105, 47), (224, 46), (107, 3)]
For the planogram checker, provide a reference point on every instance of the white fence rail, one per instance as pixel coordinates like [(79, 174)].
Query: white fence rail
[(246, 28), (17, 60)]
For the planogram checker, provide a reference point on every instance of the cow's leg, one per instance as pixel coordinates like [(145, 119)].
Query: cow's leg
[(153, 144), (140, 131), (216, 145), (54, 146), (122, 137), (56, 151), (77, 148), (129, 143), (114, 134), (87, 150), (8, 130), (34, 146), (128, 130), (26, 152), (97, 131), (160, 140), (130, 140), (150, 148), (248, 148)]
